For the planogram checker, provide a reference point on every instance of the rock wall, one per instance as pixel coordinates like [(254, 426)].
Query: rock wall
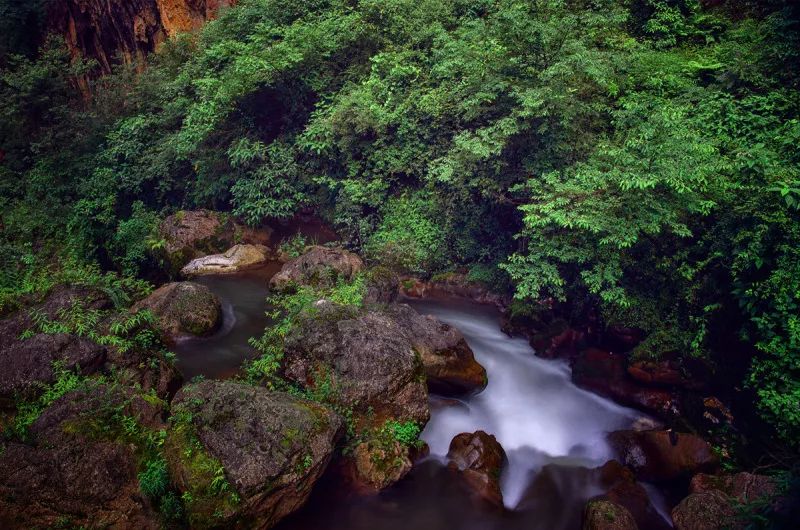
[(114, 31)]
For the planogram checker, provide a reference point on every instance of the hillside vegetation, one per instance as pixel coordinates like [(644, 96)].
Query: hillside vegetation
[(638, 158)]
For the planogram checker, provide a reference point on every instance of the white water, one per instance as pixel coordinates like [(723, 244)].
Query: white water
[(530, 405)]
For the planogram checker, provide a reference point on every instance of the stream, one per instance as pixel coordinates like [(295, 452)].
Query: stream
[(552, 431)]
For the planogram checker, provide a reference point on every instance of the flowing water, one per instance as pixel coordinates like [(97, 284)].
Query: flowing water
[(552, 431)]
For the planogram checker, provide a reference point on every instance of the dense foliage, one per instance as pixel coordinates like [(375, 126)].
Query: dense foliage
[(639, 156)]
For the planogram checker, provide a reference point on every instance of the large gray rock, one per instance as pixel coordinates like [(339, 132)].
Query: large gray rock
[(318, 266), (361, 359), (183, 308), (236, 259), (272, 447), (450, 364), (73, 473)]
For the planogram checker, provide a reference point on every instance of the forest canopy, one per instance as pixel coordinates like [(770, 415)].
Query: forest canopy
[(640, 158)]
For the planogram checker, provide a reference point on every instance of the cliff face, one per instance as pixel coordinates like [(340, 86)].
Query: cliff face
[(113, 31)]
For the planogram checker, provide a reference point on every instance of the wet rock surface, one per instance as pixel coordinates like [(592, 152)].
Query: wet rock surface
[(183, 308), (272, 448), (449, 362), (479, 459), (318, 266), (605, 373), (663, 455)]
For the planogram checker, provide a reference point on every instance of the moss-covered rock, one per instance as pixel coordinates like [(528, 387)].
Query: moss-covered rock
[(606, 515), (318, 267), (183, 308), (81, 464), (245, 455)]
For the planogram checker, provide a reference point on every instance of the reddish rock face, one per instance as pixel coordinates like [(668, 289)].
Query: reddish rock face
[(663, 455), (479, 458), (604, 372), (110, 31), (564, 345)]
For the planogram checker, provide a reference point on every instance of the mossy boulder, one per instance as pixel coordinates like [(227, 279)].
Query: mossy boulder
[(606, 515), (318, 266), (80, 466), (183, 308), (246, 455), (195, 233), (358, 359)]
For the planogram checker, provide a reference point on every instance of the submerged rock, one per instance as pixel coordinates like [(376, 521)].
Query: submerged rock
[(183, 308), (318, 266), (360, 359), (605, 515), (663, 455), (236, 259), (479, 459), (74, 472), (268, 450)]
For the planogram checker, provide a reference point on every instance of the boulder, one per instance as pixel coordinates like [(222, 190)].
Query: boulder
[(267, 448), (236, 259), (663, 455), (605, 515), (318, 266), (622, 489), (183, 308), (360, 359), (665, 372), (75, 472), (605, 373), (29, 365), (60, 298), (192, 234), (376, 465), (479, 459), (450, 365), (710, 510)]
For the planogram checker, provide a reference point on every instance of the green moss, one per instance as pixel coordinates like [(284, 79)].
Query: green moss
[(207, 495)]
